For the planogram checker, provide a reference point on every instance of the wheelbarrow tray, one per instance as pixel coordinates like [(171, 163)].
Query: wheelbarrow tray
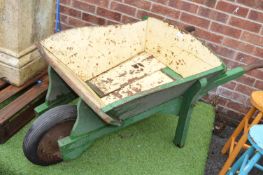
[(106, 78), (81, 55)]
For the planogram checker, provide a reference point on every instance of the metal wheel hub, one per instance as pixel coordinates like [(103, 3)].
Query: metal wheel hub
[(48, 149)]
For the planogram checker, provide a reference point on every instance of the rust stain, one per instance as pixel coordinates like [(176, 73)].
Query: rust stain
[(145, 83), (117, 94), (130, 71)]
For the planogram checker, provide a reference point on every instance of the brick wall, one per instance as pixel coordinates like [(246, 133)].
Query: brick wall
[(233, 29)]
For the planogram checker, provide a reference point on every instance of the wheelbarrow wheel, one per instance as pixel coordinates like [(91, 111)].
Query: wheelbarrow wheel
[(40, 144)]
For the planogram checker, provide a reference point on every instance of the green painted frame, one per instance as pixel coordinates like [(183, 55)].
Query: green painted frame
[(58, 93), (88, 126), (218, 70)]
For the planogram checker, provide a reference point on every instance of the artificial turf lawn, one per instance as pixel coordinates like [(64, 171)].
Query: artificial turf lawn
[(143, 148)]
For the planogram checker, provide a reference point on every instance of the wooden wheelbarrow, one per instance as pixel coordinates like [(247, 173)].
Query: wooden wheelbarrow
[(103, 79)]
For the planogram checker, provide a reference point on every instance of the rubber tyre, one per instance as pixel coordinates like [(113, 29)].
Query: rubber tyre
[(42, 125)]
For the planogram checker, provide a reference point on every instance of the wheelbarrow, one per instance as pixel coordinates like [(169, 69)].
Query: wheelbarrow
[(103, 79)]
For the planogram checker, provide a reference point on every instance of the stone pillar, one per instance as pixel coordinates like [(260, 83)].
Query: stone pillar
[(22, 24)]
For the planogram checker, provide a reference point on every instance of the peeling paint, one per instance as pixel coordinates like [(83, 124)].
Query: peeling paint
[(128, 72), (146, 83), (123, 60)]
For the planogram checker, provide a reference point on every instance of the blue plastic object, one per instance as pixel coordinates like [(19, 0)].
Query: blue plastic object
[(251, 157), (58, 25), (256, 137)]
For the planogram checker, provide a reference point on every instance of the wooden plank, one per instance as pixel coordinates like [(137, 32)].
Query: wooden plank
[(22, 101), (20, 119), (147, 102), (130, 71), (146, 83), (125, 101), (13, 90)]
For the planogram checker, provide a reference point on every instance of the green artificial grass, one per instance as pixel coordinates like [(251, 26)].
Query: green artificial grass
[(143, 148)]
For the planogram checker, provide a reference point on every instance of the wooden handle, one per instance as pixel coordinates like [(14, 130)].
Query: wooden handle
[(256, 65)]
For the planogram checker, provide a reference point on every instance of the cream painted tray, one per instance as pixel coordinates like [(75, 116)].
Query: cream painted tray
[(107, 64)]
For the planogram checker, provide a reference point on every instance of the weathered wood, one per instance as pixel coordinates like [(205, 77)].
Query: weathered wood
[(81, 54), (143, 84), (13, 90), (129, 72), (20, 119), (178, 85), (78, 85), (180, 51), (145, 102), (89, 51), (21, 110), (22, 101)]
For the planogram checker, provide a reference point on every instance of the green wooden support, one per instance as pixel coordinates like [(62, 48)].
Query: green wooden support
[(87, 120), (200, 88), (89, 127), (189, 99), (58, 93), (223, 78), (58, 90), (168, 71)]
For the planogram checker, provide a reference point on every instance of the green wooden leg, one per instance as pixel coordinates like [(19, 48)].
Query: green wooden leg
[(89, 127), (58, 93), (189, 98)]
